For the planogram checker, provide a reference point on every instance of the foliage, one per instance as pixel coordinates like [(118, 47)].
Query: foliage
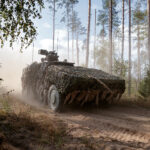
[(139, 16), (101, 52), (16, 21), (76, 25), (71, 18), (103, 16), (120, 68), (51, 4), (67, 4), (144, 87)]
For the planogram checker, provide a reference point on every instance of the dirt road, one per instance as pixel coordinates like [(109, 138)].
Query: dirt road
[(113, 128)]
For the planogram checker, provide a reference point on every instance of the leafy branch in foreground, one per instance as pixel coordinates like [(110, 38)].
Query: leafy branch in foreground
[(16, 21)]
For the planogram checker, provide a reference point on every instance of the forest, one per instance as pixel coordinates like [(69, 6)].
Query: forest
[(117, 41)]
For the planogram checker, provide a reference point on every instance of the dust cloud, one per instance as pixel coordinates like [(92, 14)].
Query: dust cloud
[(12, 64)]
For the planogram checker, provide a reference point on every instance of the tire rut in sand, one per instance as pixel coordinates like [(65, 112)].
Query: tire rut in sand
[(105, 128)]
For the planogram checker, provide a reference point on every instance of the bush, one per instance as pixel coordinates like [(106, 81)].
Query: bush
[(144, 87)]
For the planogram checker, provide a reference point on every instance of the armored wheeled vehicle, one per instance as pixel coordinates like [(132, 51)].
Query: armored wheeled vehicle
[(56, 83)]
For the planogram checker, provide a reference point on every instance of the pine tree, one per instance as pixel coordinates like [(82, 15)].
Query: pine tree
[(108, 17), (95, 38), (103, 21), (52, 7), (129, 68), (139, 19), (122, 52), (110, 36), (80, 30), (88, 33), (67, 4), (72, 27)]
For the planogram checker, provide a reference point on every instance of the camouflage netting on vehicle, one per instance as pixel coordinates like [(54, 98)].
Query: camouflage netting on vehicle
[(74, 84)]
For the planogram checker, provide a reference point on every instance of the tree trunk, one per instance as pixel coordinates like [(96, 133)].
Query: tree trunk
[(129, 71), (53, 25), (77, 47), (148, 12), (33, 53), (103, 36), (68, 31), (138, 52), (122, 53), (72, 35), (95, 40), (57, 42), (110, 36), (88, 34)]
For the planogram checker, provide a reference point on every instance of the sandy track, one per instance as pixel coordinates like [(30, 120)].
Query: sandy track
[(114, 128), (118, 127)]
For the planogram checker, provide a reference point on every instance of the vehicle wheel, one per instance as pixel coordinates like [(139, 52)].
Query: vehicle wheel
[(54, 101)]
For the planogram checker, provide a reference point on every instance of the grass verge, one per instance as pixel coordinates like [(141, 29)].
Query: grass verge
[(25, 131)]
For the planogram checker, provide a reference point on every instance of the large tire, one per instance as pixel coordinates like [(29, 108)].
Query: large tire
[(54, 99)]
